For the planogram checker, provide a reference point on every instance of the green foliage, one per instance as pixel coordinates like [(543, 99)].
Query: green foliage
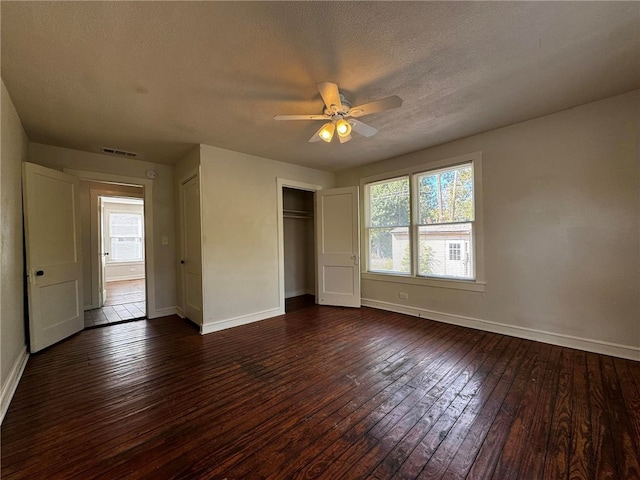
[(426, 260), (388, 207)]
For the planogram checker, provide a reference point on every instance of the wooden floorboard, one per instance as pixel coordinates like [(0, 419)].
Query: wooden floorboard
[(323, 393)]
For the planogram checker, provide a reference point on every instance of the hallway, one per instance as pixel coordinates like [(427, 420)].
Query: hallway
[(125, 301)]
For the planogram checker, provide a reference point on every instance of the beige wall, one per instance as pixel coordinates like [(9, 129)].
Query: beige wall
[(240, 231), (561, 222), (14, 149), (163, 204)]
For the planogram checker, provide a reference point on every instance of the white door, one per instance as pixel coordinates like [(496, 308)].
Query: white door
[(191, 251), (338, 247), (54, 259)]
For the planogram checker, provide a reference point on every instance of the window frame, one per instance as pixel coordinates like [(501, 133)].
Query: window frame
[(477, 237)]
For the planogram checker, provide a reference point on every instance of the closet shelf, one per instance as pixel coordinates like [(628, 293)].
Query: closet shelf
[(297, 214)]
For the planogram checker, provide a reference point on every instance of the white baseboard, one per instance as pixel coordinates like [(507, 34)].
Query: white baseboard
[(11, 383), (596, 346), (180, 312), (162, 312), (210, 327)]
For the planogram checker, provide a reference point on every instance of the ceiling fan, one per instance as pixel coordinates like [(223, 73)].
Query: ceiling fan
[(339, 114)]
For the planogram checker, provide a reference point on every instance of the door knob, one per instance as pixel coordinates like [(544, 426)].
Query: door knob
[(39, 273), (181, 262)]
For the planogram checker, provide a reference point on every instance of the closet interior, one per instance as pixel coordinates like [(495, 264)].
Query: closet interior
[(299, 244)]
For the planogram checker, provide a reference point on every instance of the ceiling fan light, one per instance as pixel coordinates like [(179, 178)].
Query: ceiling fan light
[(326, 133), (343, 128)]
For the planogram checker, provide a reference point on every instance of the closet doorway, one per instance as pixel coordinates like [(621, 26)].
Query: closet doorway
[(298, 234)]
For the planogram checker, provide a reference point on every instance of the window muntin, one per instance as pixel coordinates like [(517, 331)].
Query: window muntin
[(388, 226), (125, 237), (441, 236)]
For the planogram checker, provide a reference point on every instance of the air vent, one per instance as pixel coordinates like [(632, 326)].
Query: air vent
[(120, 153)]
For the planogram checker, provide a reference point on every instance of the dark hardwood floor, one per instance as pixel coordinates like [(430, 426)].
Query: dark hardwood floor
[(321, 393)]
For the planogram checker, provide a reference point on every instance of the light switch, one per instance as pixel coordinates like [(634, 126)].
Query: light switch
[(165, 240)]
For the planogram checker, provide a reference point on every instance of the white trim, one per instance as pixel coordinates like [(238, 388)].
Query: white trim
[(164, 312), (470, 285), (280, 183), (596, 346), (148, 225), (180, 313), (10, 385), (242, 320)]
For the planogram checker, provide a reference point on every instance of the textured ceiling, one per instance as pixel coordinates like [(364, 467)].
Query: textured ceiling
[(159, 77)]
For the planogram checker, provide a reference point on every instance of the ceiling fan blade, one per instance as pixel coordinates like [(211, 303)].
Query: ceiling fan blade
[(344, 139), (376, 106), (300, 117), (362, 128), (330, 95)]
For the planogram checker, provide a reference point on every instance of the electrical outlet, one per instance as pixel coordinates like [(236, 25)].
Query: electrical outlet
[(403, 295)]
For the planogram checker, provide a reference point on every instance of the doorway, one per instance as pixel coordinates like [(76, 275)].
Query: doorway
[(298, 234), (115, 266)]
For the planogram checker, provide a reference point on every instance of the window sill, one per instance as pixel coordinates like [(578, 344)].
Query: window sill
[(469, 285)]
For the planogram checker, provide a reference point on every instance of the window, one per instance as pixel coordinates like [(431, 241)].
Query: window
[(423, 224), (125, 237), (454, 251), (389, 223)]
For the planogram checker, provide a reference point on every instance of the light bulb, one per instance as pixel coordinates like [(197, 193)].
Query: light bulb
[(343, 127), (326, 133)]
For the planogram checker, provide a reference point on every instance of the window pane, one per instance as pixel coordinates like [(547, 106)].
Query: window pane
[(389, 203), (389, 250), (126, 249), (125, 224), (446, 196), (446, 251)]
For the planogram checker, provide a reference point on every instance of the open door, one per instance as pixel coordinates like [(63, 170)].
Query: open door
[(54, 269), (338, 247)]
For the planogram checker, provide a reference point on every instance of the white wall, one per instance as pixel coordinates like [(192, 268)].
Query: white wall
[(562, 225), (240, 233), (163, 204), (14, 149)]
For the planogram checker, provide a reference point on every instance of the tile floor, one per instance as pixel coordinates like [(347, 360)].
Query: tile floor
[(125, 302)]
